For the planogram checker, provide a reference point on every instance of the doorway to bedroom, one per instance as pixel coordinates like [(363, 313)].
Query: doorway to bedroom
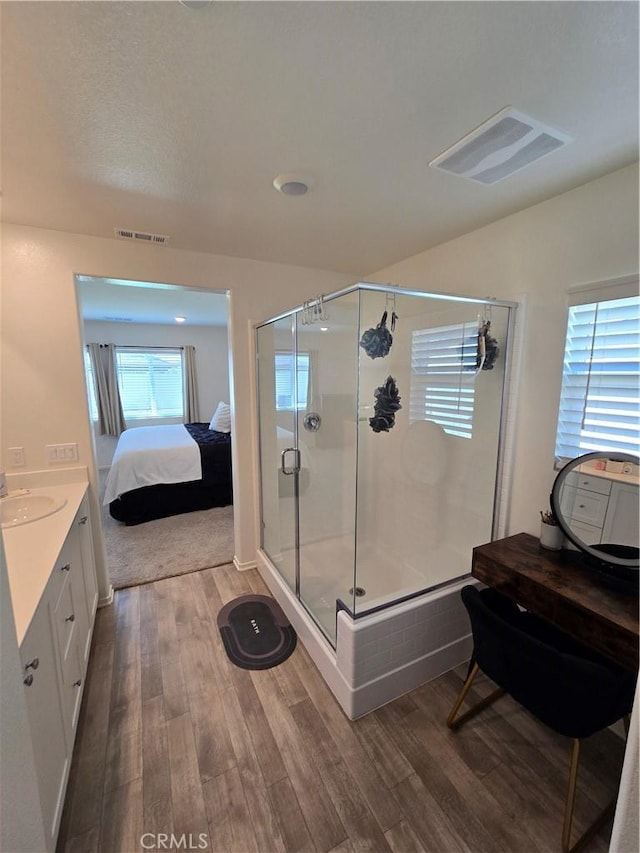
[(157, 366)]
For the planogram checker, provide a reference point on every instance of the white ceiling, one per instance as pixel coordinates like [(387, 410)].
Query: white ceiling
[(156, 117), (117, 301)]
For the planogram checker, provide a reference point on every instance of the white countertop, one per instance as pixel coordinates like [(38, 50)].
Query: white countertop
[(631, 479), (32, 549)]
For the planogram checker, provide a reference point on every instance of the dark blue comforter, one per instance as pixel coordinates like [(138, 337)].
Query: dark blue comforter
[(214, 489)]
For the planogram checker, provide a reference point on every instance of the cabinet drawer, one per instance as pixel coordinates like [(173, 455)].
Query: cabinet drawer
[(72, 679), (60, 574), (589, 534), (621, 524), (590, 507), (64, 620), (593, 484)]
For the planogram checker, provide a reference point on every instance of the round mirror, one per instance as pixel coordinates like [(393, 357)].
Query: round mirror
[(595, 500)]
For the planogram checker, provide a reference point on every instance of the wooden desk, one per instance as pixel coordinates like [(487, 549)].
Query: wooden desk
[(551, 585)]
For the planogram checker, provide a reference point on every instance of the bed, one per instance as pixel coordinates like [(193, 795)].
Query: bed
[(165, 470)]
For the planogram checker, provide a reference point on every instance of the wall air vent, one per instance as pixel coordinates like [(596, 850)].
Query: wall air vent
[(502, 145), (141, 236)]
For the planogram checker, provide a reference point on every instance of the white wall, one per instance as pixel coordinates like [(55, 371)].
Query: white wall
[(586, 235), (42, 376), (211, 356)]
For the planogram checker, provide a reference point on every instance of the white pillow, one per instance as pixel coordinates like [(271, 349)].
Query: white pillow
[(221, 420)]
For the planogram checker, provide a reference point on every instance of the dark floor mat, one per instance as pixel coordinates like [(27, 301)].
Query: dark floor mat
[(255, 632)]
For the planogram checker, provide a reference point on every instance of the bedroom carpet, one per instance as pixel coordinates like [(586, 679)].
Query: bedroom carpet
[(167, 547)]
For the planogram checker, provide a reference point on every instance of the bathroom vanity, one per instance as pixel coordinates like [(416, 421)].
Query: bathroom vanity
[(601, 506), (54, 593), (557, 587)]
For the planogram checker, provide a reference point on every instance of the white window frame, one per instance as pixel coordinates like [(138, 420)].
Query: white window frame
[(600, 396)]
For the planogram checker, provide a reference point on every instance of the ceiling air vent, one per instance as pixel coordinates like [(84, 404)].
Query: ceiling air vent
[(502, 145), (141, 236)]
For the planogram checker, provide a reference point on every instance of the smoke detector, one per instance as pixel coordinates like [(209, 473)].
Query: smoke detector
[(142, 236), (291, 184), (501, 146)]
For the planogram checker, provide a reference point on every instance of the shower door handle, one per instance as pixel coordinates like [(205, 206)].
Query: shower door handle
[(283, 465)]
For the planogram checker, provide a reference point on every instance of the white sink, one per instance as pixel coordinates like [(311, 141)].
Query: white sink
[(21, 509)]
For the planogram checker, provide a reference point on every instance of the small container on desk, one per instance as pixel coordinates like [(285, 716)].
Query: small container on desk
[(551, 536)]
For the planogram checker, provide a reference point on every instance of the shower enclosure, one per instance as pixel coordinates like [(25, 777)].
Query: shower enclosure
[(380, 420)]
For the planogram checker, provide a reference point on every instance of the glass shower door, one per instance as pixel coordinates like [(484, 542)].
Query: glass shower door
[(327, 360), (277, 393), (307, 396)]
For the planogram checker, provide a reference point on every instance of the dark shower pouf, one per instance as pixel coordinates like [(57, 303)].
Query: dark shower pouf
[(387, 404)]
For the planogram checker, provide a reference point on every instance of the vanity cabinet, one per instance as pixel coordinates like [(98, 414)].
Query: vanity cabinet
[(83, 523), (621, 522), (54, 655), (601, 510), (46, 712)]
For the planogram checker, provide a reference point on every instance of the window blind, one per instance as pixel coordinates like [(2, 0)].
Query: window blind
[(91, 388), (150, 382), (285, 363), (599, 400), (443, 365)]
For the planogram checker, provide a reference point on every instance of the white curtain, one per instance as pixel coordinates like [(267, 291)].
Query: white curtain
[(105, 381), (189, 385)]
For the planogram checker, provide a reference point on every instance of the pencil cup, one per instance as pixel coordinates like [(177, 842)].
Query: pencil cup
[(551, 536)]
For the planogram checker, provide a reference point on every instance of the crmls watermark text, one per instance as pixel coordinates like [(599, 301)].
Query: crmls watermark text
[(164, 841)]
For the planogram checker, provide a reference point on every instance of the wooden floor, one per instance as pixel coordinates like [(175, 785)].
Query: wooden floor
[(174, 739)]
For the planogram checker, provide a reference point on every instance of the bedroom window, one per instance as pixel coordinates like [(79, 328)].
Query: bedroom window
[(443, 362), (150, 382), (600, 396), (286, 379), (91, 388)]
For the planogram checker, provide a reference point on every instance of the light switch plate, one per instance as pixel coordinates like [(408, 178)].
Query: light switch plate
[(57, 453), (16, 457)]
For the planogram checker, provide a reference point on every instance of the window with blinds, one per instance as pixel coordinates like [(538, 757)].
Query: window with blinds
[(91, 388), (286, 380), (599, 401), (150, 382), (443, 366)]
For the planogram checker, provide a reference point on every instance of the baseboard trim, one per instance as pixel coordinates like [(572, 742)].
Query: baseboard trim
[(107, 600), (244, 567)]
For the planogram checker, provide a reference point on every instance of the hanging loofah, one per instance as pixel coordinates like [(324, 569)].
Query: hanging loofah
[(487, 349), (386, 406), (490, 348), (377, 342)]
